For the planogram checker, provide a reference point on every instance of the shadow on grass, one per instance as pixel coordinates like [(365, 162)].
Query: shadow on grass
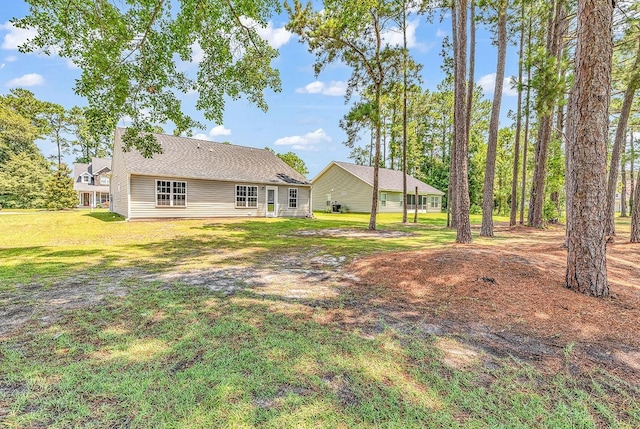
[(106, 216), (184, 356)]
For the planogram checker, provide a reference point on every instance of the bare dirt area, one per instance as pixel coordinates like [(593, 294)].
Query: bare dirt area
[(510, 299), (505, 298)]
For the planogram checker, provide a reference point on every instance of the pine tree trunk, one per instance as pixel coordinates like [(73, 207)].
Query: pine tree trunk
[(516, 149), (463, 226), (623, 191), (621, 134), (451, 189), (472, 64), (632, 160), (546, 104), (376, 165), (635, 216), (527, 115), (492, 146), (589, 120), (404, 118)]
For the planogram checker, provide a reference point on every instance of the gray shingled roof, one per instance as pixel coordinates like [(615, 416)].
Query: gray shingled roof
[(200, 159), (95, 166), (388, 180)]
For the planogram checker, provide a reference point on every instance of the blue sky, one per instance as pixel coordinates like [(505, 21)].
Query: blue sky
[(302, 118)]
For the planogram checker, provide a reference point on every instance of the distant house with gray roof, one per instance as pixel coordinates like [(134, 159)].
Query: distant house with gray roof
[(342, 184), (194, 178), (91, 182)]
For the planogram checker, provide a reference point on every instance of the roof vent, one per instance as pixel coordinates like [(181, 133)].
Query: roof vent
[(198, 145)]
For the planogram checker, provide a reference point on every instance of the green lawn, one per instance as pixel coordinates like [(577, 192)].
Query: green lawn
[(178, 355)]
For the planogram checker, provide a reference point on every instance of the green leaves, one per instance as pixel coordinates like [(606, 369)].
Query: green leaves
[(136, 58)]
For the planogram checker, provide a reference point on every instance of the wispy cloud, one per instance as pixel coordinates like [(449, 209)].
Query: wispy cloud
[(440, 33), (309, 141), (276, 36), (15, 36), (393, 37), (335, 88), (31, 79), (488, 84), (218, 130), (11, 58)]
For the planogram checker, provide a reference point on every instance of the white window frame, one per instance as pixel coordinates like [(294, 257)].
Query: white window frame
[(434, 202), (383, 199), (293, 199), (246, 197), (170, 191), (104, 180), (84, 178)]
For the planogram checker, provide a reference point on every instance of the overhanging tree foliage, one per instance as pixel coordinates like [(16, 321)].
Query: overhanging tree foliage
[(128, 54)]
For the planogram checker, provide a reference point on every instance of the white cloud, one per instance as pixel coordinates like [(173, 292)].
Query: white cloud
[(308, 141), (488, 84), (31, 79), (393, 36), (16, 36), (335, 88), (219, 130), (441, 33), (276, 37), (11, 58), (197, 53), (2, 66)]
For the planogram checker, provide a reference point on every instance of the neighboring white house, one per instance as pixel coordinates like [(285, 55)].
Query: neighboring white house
[(198, 178), (91, 182), (342, 184)]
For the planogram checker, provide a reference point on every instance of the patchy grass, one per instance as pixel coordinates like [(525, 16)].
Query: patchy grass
[(45, 245), (172, 354)]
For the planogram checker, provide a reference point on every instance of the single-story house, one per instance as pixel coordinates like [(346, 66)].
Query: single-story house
[(197, 178), (342, 184), (91, 182)]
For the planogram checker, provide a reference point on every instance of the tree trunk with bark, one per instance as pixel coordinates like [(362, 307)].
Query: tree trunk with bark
[(618, 143), (635, 216), (463, 226), (589, 121), (376, 164), (632, 160), (623, 174), (404, 118), (527, 115), (546, 104), (516, 148), (486, 229)]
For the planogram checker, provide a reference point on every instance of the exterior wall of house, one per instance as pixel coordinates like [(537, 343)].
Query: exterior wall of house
[(119, 183), (208, 198), (302, 209), (394, 203), (345, 189)]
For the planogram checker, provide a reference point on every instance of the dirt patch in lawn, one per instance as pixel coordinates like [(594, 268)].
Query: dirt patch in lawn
[(511, 300), (350, 233)]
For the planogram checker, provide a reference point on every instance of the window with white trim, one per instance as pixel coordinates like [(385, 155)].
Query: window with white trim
[(293, 198), (434, 202), (383, 199), (246, 196), (171, 193), (104, 180), (85, 178)]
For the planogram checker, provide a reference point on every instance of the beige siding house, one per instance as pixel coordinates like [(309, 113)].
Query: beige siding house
[(195, 178), (91, 182), (342, 185)]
